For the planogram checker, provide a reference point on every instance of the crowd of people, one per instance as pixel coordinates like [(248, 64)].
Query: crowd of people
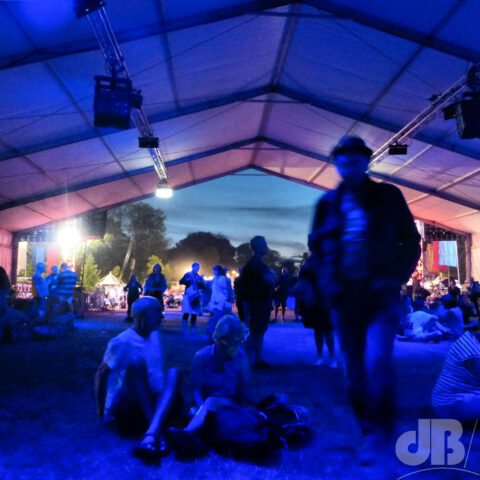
[(364, 246), (48, 315)]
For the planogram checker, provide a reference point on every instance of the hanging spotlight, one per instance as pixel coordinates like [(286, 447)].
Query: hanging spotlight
[(114, 99), (467, 110), (148, 142), (163, 191), (397, 149), (85, 7)]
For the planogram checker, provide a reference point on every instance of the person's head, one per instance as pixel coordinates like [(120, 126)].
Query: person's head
[(419, 305), (258, 245), (145, 313), (4, 280), (228, 335), (195, 267), (64, 266), (4, 289), (284, 271), (64, 307), (55, 270), (133, 278), (448, 301), (351, 157), (463, 300), (157, 269), (41, 267), (218, 270)]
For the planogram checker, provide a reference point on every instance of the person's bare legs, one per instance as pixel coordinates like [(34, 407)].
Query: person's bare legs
[(319, 345), (164, 402), (155, 411)]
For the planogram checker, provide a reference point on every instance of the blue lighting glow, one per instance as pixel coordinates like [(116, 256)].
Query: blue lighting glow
[(47, 14)]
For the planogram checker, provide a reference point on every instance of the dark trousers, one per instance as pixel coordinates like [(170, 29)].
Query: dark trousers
[(366, 326), (130, 302)]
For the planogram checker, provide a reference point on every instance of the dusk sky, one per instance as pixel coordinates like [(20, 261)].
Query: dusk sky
[(241, 206)]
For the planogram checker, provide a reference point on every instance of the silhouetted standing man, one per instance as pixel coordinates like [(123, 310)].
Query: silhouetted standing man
[(257, 283), (366, 245)]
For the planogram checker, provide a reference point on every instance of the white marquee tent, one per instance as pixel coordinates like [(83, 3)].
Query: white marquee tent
[(231, 85)]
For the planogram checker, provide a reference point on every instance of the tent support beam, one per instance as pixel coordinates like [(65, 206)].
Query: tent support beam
[(391, 28), (233, 146), (157, 28), (387, 178)]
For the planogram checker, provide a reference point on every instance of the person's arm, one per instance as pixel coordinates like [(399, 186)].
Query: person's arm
[(163, 283), (146, 287), (409, 238), (101, 382), (473, 366)]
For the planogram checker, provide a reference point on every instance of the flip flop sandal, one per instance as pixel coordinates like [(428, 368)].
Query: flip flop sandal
[(150, 451)]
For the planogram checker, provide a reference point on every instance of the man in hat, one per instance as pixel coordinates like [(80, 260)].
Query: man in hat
[(365, 245)]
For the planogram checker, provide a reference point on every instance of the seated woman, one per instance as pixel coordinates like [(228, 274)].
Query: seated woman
[(220, 378), (457, 391)]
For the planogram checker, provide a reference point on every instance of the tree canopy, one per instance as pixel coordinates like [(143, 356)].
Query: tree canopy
[(208, 249), (139, 224)]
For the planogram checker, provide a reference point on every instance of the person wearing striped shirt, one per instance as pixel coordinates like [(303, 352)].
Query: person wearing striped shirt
[(457, 391), (67, 280)]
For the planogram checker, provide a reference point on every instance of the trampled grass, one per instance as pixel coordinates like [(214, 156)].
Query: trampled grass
[(48, 428)]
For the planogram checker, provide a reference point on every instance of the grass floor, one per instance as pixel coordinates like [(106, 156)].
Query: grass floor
[(48, 428)]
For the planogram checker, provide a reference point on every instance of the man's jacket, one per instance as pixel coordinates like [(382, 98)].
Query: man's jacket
[(393, 242)]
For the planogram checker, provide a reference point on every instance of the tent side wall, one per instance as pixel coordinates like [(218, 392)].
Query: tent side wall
[(476, 256), (6, 241)]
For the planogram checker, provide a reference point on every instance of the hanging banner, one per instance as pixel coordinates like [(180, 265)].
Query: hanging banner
[(447, 253), (435, 265)]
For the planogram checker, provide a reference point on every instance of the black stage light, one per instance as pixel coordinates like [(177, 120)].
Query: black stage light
[(112, 102), (136, 99), (468, 116), (148, 142), (450, 111), (85, 7), (397, 149)]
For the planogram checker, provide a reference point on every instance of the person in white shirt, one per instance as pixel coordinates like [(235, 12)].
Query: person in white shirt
[(130, 387)]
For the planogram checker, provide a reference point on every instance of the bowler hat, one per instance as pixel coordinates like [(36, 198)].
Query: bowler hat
[(351, 145)]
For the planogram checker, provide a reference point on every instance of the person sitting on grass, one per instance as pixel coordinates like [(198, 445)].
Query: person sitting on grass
[(225, 417), (457, 391), (220, 380), (423, 326), (130, 387)]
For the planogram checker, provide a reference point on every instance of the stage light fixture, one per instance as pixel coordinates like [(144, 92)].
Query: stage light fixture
[(112, 103), (163, 191), (450, 111), (397, 149), (85, 7), (468, 116), (148, 142)]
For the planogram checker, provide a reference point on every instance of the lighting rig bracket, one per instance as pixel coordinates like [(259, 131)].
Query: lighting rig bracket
[(467, 110), (94, 11), (437, 103)]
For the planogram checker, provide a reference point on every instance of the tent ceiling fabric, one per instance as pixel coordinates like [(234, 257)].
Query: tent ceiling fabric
[(230, 85)]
